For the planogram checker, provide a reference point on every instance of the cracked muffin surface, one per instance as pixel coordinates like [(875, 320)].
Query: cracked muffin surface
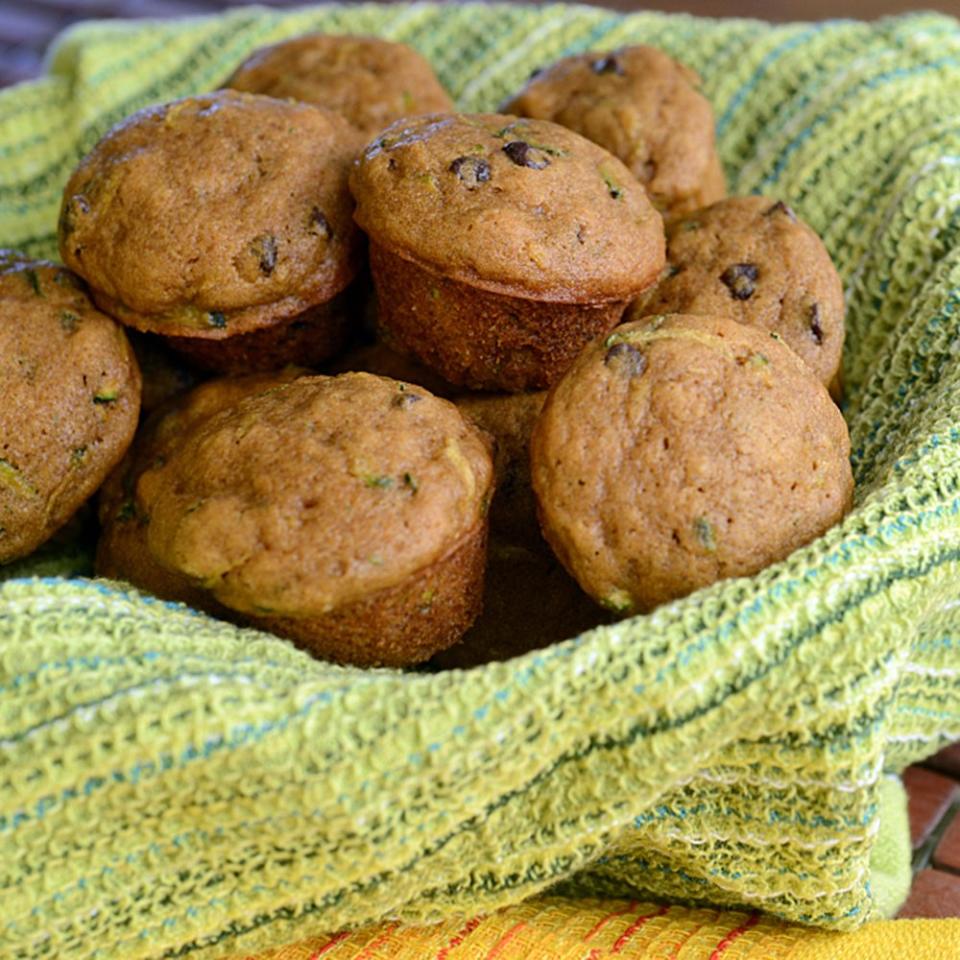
[(681, 450), (214, 215), (512, 206)]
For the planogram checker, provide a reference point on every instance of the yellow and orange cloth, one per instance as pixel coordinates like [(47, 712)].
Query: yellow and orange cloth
[(555, 929)]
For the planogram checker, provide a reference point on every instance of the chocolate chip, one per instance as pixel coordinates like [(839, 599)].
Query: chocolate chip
[(781, 207), (471, 171), (523, 155), (607, 64), (320, 225), (625, 359), (815, 327), (739, 279), (264, 248)]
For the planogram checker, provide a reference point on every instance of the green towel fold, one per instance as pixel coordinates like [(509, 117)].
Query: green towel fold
[(175, 786)]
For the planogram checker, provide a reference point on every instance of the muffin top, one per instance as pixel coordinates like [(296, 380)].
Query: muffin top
[(368, 81), (378, 479), (71, 397), (644, 107), (214, 215), (753, 259), (681, 450), (520, 207)]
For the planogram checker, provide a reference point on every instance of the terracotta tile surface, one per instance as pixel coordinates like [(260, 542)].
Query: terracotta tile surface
[(946, 854), (930, 796), (935, 893)]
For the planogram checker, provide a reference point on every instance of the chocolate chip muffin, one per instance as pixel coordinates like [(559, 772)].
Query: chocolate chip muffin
[(753, 259), (215, 216), (509, 419), (122, 551), (71, 398), (365, 542), (681, 450), (644, 107), (368, 81), (499, 247)]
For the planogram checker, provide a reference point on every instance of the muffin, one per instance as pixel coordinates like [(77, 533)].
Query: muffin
[(682, 450), (368, 81), (365, 542), (509, 419), (644, 107), (71, 398), (499, 247), (529, 602), (215, 217), (753, 259), (122, 552)]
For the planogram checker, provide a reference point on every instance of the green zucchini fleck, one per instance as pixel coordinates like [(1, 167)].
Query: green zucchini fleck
[(619, 601), (78, 455), (410, 481), (377, 482), (216, 319), (13, 479), (68, 321), (107, 395), (705, 534)]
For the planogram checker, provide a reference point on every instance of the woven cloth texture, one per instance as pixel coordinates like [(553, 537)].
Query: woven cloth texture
[(175, 786), (549, 928)]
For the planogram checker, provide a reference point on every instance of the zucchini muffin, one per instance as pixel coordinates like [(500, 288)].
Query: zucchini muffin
[(499, 247), (368, 81), (215, 216), (364, 542), (753, 259), (71, 398), (644, 107), (682, 450)]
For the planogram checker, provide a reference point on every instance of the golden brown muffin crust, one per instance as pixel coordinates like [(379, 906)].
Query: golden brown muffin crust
[(370, 82), (518, 207), (752, 259), (71, 398), (682, 450), (214, 215), (316, 493), (644, 107)]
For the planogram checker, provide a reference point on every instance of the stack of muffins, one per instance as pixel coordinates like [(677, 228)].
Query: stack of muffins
[(582, 372)]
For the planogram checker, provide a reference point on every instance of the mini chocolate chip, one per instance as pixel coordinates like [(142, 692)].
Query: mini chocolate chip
[(404, 400), (320, 225), (625, 359), (781, 207), (523, 155), (264, 248), (472, 171), (607, 64), (739, 279), (815, 327)]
